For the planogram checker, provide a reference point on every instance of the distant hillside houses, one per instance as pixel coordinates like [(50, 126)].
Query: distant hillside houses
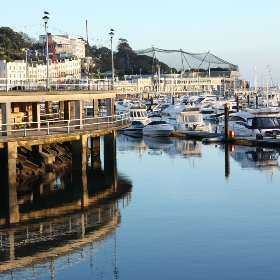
[(37, 69), (67, 61), (64, 44)]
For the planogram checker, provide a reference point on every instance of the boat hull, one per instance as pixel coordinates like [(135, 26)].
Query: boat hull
[(133, 132), (158, 132)]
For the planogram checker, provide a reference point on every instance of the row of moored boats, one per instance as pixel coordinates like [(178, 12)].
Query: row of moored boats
[(191, 113)]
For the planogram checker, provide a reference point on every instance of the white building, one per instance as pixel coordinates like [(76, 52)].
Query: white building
[(64, 44), (17, 70), (13, 70)]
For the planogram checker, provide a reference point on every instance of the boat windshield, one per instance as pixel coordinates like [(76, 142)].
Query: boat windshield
[(191, 118), (264, 122)]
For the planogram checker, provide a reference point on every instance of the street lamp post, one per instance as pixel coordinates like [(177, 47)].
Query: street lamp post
[(113, 74), (46, 19), (26, 71)]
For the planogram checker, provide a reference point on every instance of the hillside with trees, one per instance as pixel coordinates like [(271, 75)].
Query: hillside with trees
[(126, 61)]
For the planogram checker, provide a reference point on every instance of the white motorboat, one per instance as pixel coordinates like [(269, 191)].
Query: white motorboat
[(264, 121), (138, 112), (136, 129), (183, 117), (158, 128)]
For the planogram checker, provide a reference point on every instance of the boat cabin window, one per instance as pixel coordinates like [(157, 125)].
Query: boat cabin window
[(191, 118), (250, 122), (209, 111), (237, 118), (263, 122)]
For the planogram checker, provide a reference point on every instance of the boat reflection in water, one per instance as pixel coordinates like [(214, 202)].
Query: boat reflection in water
[(157, 145), (252, 157), (60, 220), (257, 158), (131, 143)]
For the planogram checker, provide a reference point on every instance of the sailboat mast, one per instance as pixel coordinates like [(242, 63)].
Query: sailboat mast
[(256, 78), (87, 50), (267, 86)]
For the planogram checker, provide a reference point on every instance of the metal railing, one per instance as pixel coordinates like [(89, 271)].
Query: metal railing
[(9, 84), (58, 126)]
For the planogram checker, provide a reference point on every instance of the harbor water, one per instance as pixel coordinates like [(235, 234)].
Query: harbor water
[(186, 210)]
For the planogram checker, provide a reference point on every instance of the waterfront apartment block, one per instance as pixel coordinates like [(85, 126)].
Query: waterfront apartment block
[(37, 70)]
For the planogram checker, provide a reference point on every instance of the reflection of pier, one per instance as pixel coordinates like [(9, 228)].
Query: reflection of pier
[(79, 146), (49, 228)]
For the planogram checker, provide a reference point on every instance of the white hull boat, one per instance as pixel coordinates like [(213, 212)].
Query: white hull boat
[(158, 129), (263, 121), (136, 129)]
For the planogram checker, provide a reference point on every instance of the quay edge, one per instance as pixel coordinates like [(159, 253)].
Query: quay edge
[(242, 141)]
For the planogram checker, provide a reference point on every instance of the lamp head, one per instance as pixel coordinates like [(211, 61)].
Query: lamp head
[(45, 19)]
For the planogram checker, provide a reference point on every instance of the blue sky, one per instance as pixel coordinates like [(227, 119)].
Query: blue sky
[(243, 32)]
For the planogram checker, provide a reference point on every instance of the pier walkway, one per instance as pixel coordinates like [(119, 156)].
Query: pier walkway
[(21, 114), (54, 130)]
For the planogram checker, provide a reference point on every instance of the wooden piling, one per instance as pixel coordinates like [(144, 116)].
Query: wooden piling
[(226, 131), (237, 103)]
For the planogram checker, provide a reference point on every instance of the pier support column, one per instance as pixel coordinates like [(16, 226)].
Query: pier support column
[(95, 153), (48, 108), (110, 160), (95, 107), (109, 106), (12, 245), (12, 181), (36, 115), (6, 118), (69, 110), (66, 110), (79, 114), (79, 167), (61, 109)]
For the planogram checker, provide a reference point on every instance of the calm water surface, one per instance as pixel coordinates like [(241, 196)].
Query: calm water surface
[(193, 211)]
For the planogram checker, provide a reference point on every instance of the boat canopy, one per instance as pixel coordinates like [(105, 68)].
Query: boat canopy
[(263, 123)]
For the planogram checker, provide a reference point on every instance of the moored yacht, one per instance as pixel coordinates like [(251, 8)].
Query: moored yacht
[(137, 111), (136, 129), (183, 117), (158, 128), (264, 121)]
